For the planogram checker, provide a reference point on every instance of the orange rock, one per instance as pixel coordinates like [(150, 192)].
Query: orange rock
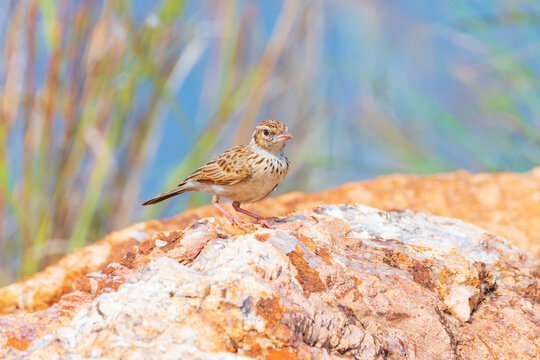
[(17, 343), (307, 277), (506, 204), (366, 283)]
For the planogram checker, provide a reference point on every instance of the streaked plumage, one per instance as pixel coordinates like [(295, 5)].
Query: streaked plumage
[(244, 174)]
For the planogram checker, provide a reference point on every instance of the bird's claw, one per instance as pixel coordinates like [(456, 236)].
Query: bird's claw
[(264, 223), (240, 223)]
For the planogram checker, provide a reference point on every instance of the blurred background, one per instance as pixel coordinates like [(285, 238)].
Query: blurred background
[(104, 104)]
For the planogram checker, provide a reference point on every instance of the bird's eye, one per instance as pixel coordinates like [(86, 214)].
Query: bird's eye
[(266, 132)]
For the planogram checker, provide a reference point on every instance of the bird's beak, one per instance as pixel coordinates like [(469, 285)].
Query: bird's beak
[(283, 137)]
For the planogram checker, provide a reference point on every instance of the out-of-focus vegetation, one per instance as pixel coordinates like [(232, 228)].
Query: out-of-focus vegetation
[(105, 103)]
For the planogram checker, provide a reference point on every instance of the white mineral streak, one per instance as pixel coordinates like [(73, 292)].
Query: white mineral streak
[(139, 236)]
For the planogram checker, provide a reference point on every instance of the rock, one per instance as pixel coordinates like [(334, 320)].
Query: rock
[(505, 204), (332, 282)]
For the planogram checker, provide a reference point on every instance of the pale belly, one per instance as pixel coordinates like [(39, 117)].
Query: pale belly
[(251, 190)]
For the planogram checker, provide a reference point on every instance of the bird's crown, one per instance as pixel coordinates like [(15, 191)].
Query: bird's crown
[(275, 126)]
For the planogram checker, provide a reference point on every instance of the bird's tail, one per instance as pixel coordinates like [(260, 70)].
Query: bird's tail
[(176, 191)]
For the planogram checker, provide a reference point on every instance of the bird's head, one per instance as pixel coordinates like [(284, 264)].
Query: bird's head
[(271, 136)]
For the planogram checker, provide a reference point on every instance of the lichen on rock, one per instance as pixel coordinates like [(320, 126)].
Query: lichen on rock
[(332, 282)]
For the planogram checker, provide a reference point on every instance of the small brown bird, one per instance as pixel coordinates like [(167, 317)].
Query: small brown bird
[(244, 174)]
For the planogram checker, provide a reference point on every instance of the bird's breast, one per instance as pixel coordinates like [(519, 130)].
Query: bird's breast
[(268, 173)]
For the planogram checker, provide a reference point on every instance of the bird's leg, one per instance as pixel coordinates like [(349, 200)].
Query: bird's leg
[(215, 203), (262, 221)]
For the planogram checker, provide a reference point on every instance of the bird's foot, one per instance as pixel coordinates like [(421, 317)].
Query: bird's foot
[(240, 223), (264, 223), (260, 220)]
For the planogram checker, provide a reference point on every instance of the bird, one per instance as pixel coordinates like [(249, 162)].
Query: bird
[(243, 174)]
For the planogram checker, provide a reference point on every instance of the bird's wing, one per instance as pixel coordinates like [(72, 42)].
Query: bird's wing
[(232, 167)]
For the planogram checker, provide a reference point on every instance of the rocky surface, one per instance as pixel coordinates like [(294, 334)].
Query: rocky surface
[(506, 204), (333, 282)]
